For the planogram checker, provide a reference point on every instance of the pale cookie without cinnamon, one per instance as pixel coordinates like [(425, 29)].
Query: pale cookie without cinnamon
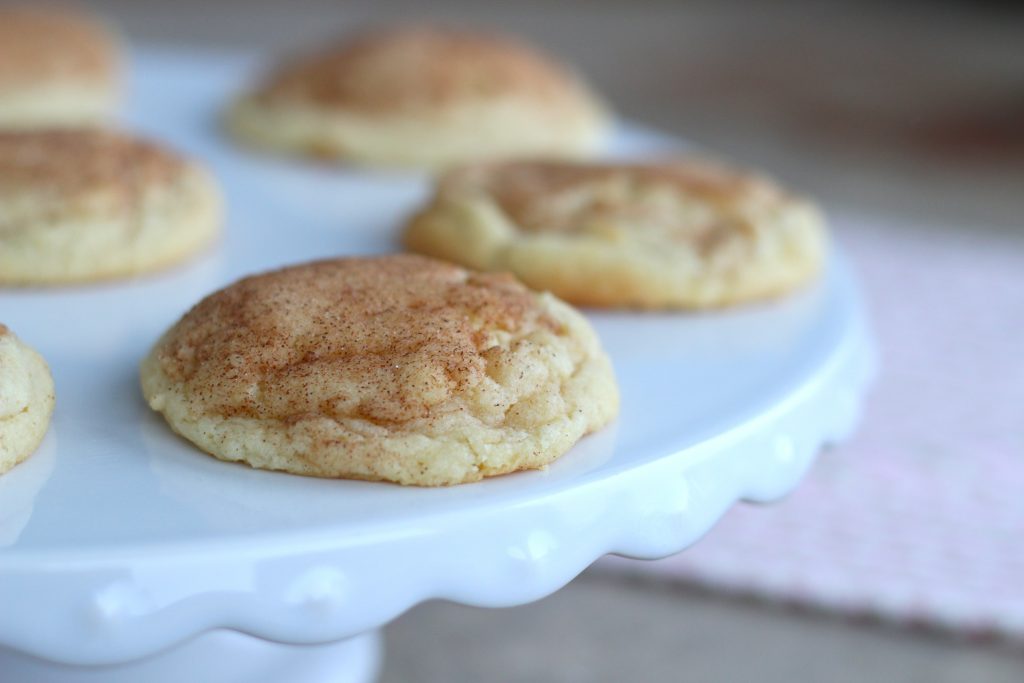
[(56, 68), (424, 97), (26, 400), (82, 205), (396, 368), (680, 234)]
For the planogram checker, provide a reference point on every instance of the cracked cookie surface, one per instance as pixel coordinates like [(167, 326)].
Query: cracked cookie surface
[(687, 233), (396, 368)]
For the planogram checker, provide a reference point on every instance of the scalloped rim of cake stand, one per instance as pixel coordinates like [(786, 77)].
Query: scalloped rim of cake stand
[(308, 588)]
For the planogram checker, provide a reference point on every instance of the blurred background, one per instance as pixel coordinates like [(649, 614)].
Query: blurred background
[(901, 557)]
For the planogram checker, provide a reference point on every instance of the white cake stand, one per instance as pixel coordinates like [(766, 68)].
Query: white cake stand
[(126, 555)]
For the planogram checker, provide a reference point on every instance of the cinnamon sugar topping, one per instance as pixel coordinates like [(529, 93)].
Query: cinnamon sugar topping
[(385, 339), (409, 68), (696, 202), (38, 45), (71, 162)]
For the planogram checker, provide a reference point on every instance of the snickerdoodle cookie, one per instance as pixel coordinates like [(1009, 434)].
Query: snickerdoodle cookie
[(396, 368), (422, 96), (26, 399), (56, 68), (678, 234), (79, 205)]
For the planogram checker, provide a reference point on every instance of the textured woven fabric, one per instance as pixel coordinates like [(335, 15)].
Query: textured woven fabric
[(919, 517)]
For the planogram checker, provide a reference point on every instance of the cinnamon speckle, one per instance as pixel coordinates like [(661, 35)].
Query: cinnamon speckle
[(691, 201), (45, 46), (384, 339), (71, 162), (413, 67)]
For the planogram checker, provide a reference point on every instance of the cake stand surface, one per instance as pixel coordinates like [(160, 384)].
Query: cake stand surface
[(127, 555)]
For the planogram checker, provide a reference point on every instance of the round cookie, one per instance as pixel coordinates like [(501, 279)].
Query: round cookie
[(677, 234), (26, 400), (422, 97), (56, 69), (83, 205), (396, 368)]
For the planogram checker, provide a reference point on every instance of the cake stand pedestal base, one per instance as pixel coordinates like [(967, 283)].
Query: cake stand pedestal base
[(222, 656)]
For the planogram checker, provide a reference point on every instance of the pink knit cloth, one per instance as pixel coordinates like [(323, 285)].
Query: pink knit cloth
[(919, 518)]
